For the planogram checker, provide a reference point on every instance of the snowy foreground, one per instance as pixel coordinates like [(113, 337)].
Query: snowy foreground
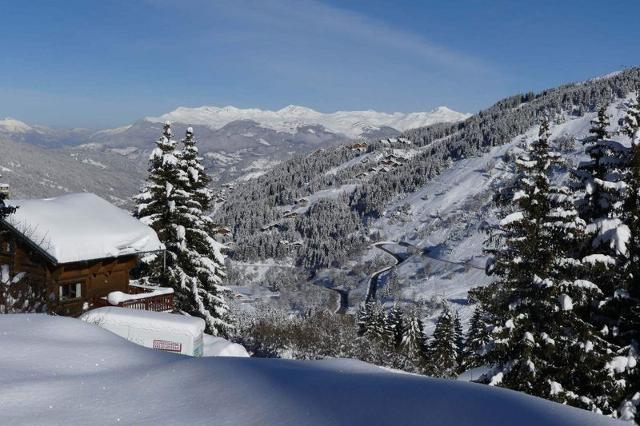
[(56, 370)]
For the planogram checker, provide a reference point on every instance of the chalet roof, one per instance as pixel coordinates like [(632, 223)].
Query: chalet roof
[(80, 227)]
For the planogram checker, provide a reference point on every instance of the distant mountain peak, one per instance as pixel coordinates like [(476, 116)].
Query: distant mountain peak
[(291, 117), (12, 125)]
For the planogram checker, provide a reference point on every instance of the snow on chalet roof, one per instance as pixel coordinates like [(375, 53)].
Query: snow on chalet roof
[(79, 227)]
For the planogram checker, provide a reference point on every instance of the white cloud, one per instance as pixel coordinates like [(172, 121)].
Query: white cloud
[(294, 23)]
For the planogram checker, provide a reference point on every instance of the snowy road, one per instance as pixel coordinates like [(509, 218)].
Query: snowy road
[(372, 287)]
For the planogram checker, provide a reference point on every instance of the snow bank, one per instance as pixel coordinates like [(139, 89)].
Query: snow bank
[(217, 346), (147, 320), (78, 227), (66, 372)]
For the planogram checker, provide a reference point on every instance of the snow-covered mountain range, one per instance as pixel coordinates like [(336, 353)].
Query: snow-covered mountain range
[(289, 119), (19, 131), (236, 143)]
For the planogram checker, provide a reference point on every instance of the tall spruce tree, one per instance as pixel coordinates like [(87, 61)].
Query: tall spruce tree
[(626, 237), (477, 339), (597, 174), (156, 205), (375, 328), (198, 270), (600, 203), (459, 339), (540, 342), (442, 352), (414, 342), (363, 317), (396, 325), (171, 203), (199, 180)]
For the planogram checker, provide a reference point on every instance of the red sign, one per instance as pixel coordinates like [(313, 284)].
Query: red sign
[(167, 345)]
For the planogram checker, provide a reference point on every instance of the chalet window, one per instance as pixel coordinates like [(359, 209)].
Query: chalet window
[(70, 291)]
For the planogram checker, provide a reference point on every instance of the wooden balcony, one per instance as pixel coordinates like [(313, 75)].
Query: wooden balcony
[(146, 298)]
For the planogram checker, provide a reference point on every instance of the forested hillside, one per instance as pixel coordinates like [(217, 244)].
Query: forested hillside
[(266, 221)]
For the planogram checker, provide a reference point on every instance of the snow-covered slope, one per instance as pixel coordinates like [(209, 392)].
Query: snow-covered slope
[(62, 371), (292, 117), (36, 172), (441, 227), (437, 226)]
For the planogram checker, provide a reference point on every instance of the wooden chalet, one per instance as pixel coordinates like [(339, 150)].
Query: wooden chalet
[(358, 146), (77, 250)]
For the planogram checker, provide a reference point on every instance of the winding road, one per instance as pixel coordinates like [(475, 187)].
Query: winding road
[(372, 287), (373, 283)]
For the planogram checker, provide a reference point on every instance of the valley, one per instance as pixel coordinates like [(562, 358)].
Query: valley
[(319, 212), (439, 227)]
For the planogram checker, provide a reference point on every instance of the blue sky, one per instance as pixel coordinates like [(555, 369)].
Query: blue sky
[(107, 63)]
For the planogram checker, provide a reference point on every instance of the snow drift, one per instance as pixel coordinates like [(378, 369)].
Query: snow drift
[(64, 371)]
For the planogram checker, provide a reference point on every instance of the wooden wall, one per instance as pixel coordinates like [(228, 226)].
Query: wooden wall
[(97, 277)]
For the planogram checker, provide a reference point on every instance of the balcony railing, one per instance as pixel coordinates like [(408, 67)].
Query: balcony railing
[(142, 297)]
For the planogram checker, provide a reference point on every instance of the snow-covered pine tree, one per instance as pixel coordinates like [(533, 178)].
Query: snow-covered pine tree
[(625, 302), (171, 203), (191, 163), (477, 339), (599, 202), (414, 342), (597, 175), (4, 209), (376, 326), (156, 205), (395, 325), (198, 270), (631, 121), (627, 239), (442, 353), (458, 333), (363, 317), (540, 342)]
